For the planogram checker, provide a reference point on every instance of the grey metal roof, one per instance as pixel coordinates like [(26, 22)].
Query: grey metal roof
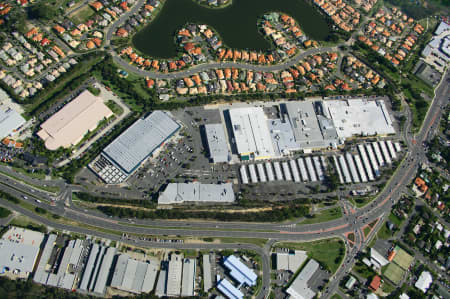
[(100, 285), (40, 276), (140, 140), (217, 143), (188, 192), (188, 280), (88, 269), (207, 281), (299, 288)]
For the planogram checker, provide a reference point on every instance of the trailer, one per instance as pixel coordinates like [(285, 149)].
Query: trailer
[(269, 171), (391, 149), (360, 167), (310, 167), (366, 163), (278, 172), (286, 171), (385, 152), (397, 146), (372, 159), (378, 154), (302, 167), (294, 169), (253, 176), (352, 167), (261, 173), (244, 176), (338, 170), (319, 169), (344, 168)]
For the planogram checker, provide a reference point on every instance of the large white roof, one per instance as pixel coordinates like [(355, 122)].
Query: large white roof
[(69, 125), (424, 281), (10, 120), (359, 117), (217, 143), (251, 132), (299, 288), (140, 140), (17, 256)]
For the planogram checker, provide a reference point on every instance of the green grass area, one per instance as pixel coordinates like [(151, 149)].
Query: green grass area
[(336, 296), (393, 272), (366, 231), (328, 252), (402, 258), (256, 241), (25, 222), (384, 232), (396, 220), (4, 212), (115, 108), (82, 15), (387, 287), (323, 216)]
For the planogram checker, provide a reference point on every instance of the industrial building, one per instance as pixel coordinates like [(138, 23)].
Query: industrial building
[(188, 280), (10, 121), (41, 274), (134, 276), (19, 249), (229, 290), (359, 117), (240, 272), (207, 276), (174, 273), (17, 258), (251, 133), (176, 193), (128, 151), (97, 269), (299, 288), (217, 143), (311, 129), (66, 274), (69, 125), (290, 260), (437, 51)]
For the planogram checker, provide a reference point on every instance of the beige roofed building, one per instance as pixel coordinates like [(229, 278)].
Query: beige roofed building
[(68, 126)]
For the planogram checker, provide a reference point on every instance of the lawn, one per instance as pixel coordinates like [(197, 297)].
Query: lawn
[(82, 15), (258, 242), (329, 252), (402, 258), (396, 220), (336, 296), (324, 216), (384, 232), (394, 273)]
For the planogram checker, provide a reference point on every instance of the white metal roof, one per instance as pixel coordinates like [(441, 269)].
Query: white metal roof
[(251, 132), (140, 140), (299, 288), (190, 192), (10, 120), (217, 143)]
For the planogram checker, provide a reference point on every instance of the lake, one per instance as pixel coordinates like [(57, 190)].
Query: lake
[(236, 24)]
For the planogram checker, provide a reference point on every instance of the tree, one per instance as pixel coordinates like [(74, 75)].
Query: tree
[(43, 10)]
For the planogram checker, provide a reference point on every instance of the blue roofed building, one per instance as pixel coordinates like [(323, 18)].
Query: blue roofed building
[(229, 290), (240, 272)]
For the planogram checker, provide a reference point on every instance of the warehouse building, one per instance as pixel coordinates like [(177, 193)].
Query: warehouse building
[(290, 260), (41, 274), (188, 282), (229, 290), (240, 272), (134, 276), (359, 117), (207, 276), (66, 273), (69, 125), (174, 273), (10, 121), (17, 258), (299, 288), (251, 133), (176, 193), (217, 143), (311, 129), (127, 152)]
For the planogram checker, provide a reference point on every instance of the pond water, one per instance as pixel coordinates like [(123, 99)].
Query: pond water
[(236, 24)]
